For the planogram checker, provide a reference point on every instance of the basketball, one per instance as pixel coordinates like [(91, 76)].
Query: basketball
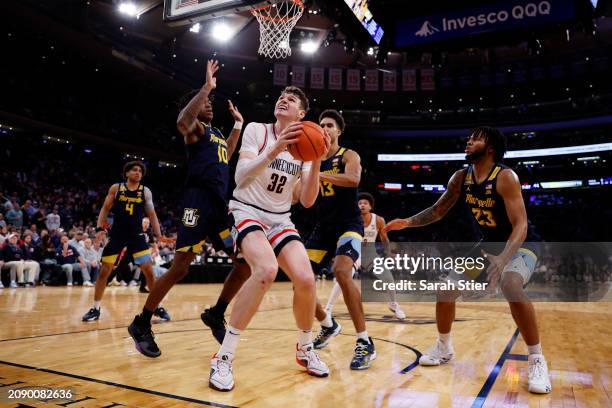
[(311, 143)]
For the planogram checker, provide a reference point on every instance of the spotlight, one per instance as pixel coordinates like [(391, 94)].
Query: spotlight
[(128, 9), (221, 32), (195, 28), (371, 51), (308, 47)]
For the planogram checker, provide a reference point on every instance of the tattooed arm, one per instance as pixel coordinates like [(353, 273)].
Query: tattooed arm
[(436, 211)]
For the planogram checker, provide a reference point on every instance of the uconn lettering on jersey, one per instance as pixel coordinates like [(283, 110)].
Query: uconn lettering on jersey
[(285, 166)]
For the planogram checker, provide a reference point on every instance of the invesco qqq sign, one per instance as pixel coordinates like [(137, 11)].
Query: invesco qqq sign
[(494, 17)]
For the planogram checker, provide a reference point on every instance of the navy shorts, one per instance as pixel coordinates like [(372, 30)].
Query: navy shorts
[(205, 216), (325, 243), (136, 245)]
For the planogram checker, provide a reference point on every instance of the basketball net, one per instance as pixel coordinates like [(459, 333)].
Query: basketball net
[(275, 24)]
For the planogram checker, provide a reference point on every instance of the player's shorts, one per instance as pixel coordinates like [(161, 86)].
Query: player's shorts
[(325, 243), (204, 216), (522, 262), (277, 227), (136, 245)]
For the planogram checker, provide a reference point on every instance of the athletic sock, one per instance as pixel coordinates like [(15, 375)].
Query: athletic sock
[(97, 304), (304, 338), (445, 338), (230, 342), (364, 336), (535, 349), (145, 316), (220, 307), (327, 321)]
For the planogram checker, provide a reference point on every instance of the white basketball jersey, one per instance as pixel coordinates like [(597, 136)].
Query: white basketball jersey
[(370, 231), (272, 189)]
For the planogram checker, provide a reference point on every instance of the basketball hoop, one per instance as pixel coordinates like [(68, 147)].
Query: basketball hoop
[(275, 24)]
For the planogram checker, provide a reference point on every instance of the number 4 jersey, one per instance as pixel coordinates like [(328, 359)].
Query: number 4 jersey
[(271, 190)]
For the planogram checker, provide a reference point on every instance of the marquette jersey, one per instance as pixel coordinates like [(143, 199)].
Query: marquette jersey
[(336, 205), (486, 205), (271, 190), (128, 211), (207, 163), (370, 231)]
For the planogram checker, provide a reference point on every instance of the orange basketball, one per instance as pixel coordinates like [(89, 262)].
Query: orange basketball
[(310, 144)]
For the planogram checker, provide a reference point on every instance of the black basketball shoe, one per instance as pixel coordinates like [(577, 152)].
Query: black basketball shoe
[(216, 322), (92, 315), (143, 338), (162, 313)]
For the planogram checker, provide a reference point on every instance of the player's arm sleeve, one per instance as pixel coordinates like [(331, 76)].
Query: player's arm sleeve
[(249, 139), (250, 163)]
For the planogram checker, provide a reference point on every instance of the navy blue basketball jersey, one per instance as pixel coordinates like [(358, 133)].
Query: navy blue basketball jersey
[(336, 205), (486, 205), (128, 211), (207, 163)]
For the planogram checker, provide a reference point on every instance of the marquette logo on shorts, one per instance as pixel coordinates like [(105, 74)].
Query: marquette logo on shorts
[(190, 217)]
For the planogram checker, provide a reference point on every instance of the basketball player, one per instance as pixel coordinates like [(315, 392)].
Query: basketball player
[(338, 234), (128, 201), (492, 192), (266, 175), (373, 228), (205, 212)]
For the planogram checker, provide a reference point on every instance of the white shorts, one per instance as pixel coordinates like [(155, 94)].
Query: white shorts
[(278, 228)]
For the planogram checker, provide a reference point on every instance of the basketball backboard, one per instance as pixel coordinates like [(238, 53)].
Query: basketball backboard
[(180, 12)]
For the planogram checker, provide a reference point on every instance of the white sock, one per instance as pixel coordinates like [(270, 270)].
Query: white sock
[(230, 342), (333, 296), (327, 322), (97, 304), (445, 338), (535, 349), (304, 338), (363, 336)]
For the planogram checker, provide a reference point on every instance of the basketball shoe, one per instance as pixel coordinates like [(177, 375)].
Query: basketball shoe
[(365, 353), (221, 374), (539, 381), (93, 314), (144, 340), (440, 353), (306, 357), (162, 313), (325, 335), (397, 310), (216, 322)]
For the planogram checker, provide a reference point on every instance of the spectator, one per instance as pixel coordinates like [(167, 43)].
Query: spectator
[(35, 236), (28, 212), (13, 255), (39, 218), (71, 261), (14, 216), (92, 258), (48, 257), (53, 219), (77, 241), (2, 221), (31, 255)]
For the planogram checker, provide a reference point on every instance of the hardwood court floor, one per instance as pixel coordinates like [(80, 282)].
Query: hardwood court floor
[(44, 343)]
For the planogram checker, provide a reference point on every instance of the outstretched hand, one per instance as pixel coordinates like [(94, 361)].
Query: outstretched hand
[(234, 111), (212, 66)]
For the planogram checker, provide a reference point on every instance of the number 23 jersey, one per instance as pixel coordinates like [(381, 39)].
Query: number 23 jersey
[(272, 189)]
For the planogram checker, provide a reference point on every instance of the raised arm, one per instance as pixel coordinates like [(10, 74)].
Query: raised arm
[(232, 139), (436, 211), (352, 171), (187, 122)]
